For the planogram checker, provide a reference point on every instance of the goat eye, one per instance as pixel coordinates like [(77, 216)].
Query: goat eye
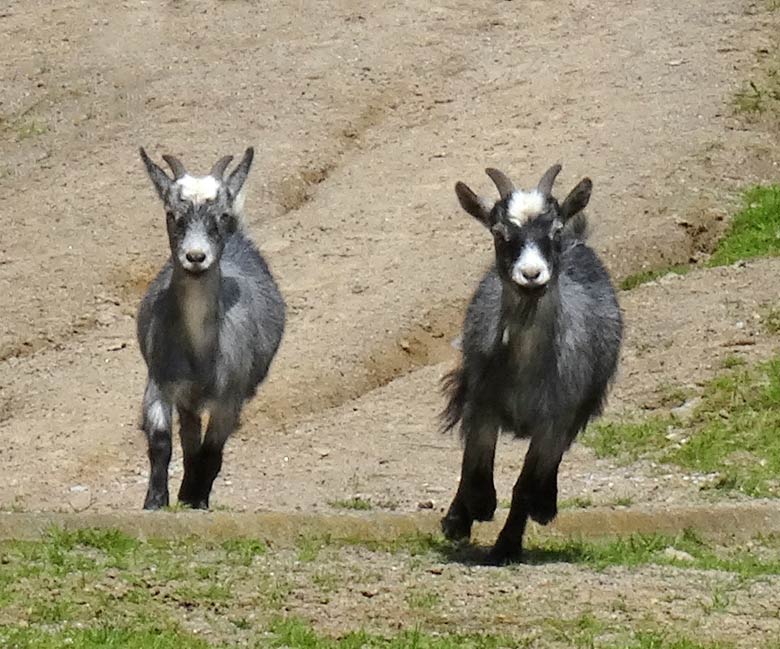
[(224, 217)]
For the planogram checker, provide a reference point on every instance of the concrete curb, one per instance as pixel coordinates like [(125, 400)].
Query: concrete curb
[(718, 523)]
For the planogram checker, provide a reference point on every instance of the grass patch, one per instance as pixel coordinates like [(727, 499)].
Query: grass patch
[(578, 502), (754, 231), (26, 130), (294, 634), (100, 638), (355, 503), (641, 549), (645, 276), (732, 432)]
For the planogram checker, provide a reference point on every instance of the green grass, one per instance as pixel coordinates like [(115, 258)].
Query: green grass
[(98, 638), (770, 320), (92, 588), (643, 549), (753, 232), (26, 130), (355, 503), (295, 634), (733, 432), (645, 276)]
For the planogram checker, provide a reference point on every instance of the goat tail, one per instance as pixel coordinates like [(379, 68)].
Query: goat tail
[(453, 386)]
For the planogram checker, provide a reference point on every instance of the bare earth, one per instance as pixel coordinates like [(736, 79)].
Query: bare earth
[(364, 115)]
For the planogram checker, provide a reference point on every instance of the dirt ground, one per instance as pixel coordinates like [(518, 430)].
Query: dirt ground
[(363, 115)]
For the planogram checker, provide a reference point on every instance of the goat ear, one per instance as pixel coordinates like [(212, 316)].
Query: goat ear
[(237, 177), (577, 199), (160, 179), (477, 206)]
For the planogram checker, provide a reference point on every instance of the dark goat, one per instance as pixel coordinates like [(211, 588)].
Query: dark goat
[(541, 341), (208, 327)]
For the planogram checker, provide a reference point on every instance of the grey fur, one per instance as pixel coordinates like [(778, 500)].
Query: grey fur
[(536, 362), (208, 328)]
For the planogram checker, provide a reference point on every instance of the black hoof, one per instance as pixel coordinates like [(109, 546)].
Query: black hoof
[(543, 513), (456, 527), (194, 503), (156, 500), (500, 555)]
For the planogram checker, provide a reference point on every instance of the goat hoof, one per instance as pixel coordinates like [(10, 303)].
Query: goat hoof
[(194, 503), (155, 501), (455, 528), (500, 555), (544, 515)]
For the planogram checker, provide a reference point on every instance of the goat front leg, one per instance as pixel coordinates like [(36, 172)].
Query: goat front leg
[(223, 420), (534, 495), (157, 426), (190, 435), (476, 495)]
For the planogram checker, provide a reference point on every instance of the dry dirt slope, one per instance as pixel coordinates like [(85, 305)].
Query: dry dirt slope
[(364, 117)]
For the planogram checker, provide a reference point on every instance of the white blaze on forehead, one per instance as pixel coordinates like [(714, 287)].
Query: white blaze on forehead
[(198, 189), (523, 206), (531, 268)]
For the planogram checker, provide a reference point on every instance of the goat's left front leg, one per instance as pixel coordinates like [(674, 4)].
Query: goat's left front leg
[(535, 496), (223, 420)]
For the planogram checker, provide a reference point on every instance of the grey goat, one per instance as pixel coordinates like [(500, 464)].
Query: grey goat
[(208, 327), (541, 341)]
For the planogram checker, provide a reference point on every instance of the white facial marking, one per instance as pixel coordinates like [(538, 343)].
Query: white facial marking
[(198, 189), (196, 241), (156, 417), (505, 336), (523, 206), (530, 268)]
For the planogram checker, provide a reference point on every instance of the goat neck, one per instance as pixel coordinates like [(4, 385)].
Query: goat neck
[(197, 299)]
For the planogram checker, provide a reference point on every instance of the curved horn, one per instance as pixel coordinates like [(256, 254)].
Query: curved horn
[(176, 166), (503, 184), (546, 183), (219, 167)]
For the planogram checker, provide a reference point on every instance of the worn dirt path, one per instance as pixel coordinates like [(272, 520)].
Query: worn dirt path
[(363, 117)]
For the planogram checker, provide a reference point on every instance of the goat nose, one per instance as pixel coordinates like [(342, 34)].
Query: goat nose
[(196, 256), (532, 273)]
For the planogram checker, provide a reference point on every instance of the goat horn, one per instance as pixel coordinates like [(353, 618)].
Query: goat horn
[(219, 167), (546, 183), (176, 166), (503, 184)]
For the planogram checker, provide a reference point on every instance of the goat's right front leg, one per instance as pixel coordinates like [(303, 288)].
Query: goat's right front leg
[(157, 426), (476, 495)]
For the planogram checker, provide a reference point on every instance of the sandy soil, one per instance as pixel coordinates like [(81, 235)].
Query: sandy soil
[(363, 118), (364, 115)]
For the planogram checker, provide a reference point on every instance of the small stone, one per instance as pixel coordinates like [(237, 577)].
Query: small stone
[(369, 593), (405, 344), (426, 504), (678, 555), (323, 452), (684, 412)]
